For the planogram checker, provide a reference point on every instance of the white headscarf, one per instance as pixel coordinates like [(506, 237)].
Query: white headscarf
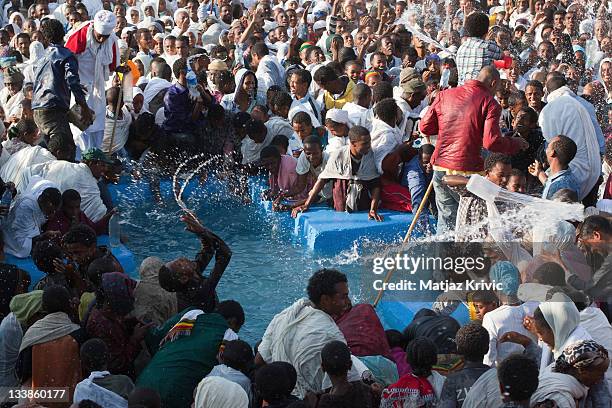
[(12, 20), (146, 4), (37, 50), (128, 15), (217, 392), (104, 22), (562, 316)]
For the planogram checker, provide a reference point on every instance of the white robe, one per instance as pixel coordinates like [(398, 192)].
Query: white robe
[(122, 130), (75, 176), (25, 219), (269, 72), (384, 140), (297, 335), (88, 390), (14, 168), (11, 104), (564, 115)]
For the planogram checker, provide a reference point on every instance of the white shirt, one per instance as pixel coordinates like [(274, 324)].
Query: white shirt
[(304, 167), (502, 320), (310, 106), (358, 115)]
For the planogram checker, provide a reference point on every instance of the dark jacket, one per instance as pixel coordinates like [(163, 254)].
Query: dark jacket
[(57, 74)]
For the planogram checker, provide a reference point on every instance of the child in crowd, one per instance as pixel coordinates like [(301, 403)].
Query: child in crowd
[(261, 113), (235, 358), (257, 138), (302, 129), (397, 342), (337, 122), (274, 383), (518, 380), (336, 363), (116, 131), (517, 182), (45, 256), (281, 170), (353, 70), (559, 153), (281, 142), (359, 110), (278, 124), (473, 343), (70, 214)]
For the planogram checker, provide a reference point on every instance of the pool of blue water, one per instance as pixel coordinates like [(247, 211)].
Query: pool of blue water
[(268, 270)]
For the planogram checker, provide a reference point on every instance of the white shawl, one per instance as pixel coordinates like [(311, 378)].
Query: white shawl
[(155, 86), (384, 140), (339, 166), (297, 335), (564, 115), (88, 390), (561, 388), (51, 327), (75, 176), (14, 168)]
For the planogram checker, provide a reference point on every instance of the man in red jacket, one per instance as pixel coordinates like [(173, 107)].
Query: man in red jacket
[(466, 120)]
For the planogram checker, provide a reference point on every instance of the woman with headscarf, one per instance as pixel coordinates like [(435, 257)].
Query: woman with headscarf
[(580, 366), (37, 50), (152, 303), (49, 352), (25, 309), (508, 317), (245, 97), (108, 321), (217, 392), (134, 15), (22, 134), (17, 19)]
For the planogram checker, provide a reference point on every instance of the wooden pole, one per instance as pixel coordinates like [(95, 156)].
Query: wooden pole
[(406, 239)]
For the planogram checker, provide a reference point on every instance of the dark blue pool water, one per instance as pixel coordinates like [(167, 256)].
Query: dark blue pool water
[(267, 272)]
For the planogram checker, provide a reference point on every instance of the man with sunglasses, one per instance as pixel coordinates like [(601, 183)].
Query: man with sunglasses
[(96, 50)]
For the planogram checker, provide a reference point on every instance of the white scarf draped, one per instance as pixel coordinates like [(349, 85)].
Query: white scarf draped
[(52, 327)]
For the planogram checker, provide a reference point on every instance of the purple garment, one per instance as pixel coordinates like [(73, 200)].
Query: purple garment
[(178, 109), (399, 356)]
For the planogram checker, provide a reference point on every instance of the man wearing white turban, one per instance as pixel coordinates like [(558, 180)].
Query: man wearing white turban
[(96, 49)]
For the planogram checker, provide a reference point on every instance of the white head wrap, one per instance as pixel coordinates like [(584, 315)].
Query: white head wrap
[(37, 50), (179, 11), (104, 22)]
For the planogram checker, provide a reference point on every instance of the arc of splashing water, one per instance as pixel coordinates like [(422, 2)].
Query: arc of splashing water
[(176, 192)]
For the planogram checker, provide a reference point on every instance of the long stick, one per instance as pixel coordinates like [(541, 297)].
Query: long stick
[(406, 239)]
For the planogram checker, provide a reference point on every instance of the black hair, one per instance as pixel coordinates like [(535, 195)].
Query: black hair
[(485, 296), (518, 377), (325, 75), (144, 398), (281, 141), (357, 133), (52, 196), (336, 358), (180, 65), (565, 149), (274, 382), (43, 255), (426, 148), (312, 140), (303, 74), (555, 80), (216, 112), (269, 152), (167, 280), (22, 35), (70, 195), (386, 110), (231, 309), (237, 354), (565, 195), (361, 90), (240, 120), (323, 282), (536, 84), (346, 54), (80, 234), (421, 354), (302, 117), (53, 31), (532, 115), (595, 223), (60, 144), (476, 24), (255, 127), (495, 158), (382, 90), (395, 338), (260, 49), (281, 99), (94, 354), (55, 298), (100, 266), (517, 173), (472, 341), (550, 273)]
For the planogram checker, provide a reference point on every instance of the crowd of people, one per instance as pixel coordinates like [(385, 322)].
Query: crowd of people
[(359, 105)]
